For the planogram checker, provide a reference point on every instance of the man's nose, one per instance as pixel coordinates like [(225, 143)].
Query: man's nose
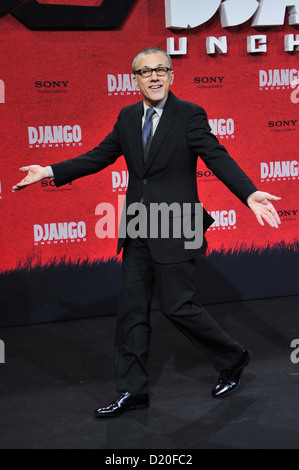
[(155, 76)]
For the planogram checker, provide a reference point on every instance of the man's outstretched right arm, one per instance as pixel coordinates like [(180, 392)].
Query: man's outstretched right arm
[(105, 154), (35, 173)]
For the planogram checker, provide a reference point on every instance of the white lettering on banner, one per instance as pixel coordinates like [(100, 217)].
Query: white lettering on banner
[(121, 84), (224, 220), (49, 135), (272, 13), (232, 15), (286, 170), (214, 44), (277, 78), (59, 232), (290, 43), (184, 14), (256, 44), (0, 190), (119, 180), (2, 92), (223, 127), (182, 50)]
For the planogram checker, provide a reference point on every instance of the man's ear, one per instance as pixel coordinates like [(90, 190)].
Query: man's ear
[(172, 78)]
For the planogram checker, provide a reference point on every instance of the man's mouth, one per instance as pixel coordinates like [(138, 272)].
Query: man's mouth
[(155, 87)]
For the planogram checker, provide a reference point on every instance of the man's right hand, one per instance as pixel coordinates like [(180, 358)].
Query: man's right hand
[(35, 173)]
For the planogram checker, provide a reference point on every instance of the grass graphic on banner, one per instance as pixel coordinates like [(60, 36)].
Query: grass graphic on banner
[(32, 262), (63, 289)]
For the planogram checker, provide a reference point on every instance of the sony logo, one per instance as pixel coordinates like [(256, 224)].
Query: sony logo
[(288, 213), (289, 123), (208, 79), (51, 84)]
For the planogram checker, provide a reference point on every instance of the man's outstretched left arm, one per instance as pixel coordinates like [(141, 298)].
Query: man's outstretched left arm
[(217, 159)]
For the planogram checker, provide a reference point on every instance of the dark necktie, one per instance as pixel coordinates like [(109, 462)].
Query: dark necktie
[(147, 132)]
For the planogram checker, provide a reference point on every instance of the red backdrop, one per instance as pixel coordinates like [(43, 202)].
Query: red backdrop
[(62, 84)]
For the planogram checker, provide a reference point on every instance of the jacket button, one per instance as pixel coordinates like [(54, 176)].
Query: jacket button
[(144, 181)]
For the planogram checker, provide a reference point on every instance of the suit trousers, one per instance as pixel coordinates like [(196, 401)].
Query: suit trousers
[(175, 284)]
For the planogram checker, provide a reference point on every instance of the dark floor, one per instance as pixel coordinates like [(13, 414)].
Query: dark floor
[(56, 374)]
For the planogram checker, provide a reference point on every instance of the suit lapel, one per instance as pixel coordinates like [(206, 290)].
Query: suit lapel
[(135, 133), (162, 130), (164, 126)]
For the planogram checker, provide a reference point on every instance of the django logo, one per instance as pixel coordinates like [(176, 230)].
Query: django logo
[(223, 128), (66, 232), (279, 171), (109, 14), (54, 136), (121, 84), (224, 220), (120, 180), (183, 15), (278, 79)]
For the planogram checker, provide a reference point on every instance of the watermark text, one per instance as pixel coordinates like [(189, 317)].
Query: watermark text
[(2, 352), (295, 353), (155, 220)]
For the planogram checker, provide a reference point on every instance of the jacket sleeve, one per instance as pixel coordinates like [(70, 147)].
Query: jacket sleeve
[(105, 154), (215, 156)]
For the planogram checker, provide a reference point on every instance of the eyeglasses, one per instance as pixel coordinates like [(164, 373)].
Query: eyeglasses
[(147, 72)]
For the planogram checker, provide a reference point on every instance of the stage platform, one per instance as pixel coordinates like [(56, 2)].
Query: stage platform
[(56, 374)]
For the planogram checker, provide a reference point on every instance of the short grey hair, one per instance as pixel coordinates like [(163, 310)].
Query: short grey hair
[(151, 50)]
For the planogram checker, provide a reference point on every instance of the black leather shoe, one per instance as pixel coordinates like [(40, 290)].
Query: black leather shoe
[(125, 402), (230, 379)]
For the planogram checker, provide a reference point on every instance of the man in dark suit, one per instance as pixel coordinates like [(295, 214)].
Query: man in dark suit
[(161, 139)]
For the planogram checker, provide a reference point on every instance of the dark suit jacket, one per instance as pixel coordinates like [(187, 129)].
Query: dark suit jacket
[(169, 175)]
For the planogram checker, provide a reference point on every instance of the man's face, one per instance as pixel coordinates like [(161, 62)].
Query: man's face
[(155, 88)]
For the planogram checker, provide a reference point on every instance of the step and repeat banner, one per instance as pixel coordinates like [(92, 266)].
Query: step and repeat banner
[(65, 73)]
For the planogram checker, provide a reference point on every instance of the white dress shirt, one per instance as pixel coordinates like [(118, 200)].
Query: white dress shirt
[(157, 116)]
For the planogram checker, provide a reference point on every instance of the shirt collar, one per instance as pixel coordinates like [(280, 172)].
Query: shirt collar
[(158, 108)]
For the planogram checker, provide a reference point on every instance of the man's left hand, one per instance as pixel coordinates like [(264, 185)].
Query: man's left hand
[(260, 204)]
